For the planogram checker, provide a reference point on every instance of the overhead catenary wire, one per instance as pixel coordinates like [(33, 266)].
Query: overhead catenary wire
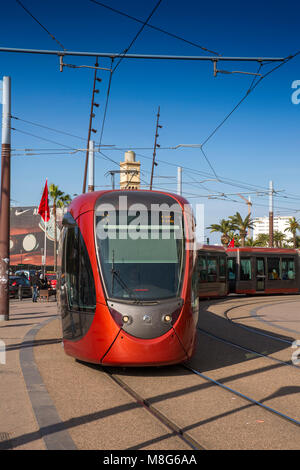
[(122, 55), (113, 69), (41, 25), (187, 169), (42, 138), (255, 82), (155, 27), (48, 128)]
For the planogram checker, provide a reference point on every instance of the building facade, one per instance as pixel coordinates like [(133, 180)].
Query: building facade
[(261, 225)]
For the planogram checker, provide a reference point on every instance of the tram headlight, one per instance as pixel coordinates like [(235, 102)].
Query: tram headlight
[(171, 317), (127, 320), (167, 318), (119, 318)]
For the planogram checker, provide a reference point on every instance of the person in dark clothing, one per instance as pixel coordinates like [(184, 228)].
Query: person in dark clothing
[(34, 281), (43, 282)]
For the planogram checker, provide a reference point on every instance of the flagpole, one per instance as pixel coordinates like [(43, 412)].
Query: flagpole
[(45, 239)]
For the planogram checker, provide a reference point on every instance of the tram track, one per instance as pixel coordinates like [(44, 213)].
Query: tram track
[(225, 317), (194, 409), (253, 330), (243, 396), (181, 431), (251, 351), (170, 424)]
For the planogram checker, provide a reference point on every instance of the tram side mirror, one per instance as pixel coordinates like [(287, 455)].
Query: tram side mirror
[(68, 220)]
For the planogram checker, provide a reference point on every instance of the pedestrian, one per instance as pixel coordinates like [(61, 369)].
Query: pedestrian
[(43, 282), (34, 281)]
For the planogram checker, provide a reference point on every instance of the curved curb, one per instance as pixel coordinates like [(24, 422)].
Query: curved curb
[(254, 314), (51, 427)]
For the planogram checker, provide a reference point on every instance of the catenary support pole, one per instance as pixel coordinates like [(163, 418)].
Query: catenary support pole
[(91, 181), (271, 218), (154, 149), (179, 180), (5, 200)]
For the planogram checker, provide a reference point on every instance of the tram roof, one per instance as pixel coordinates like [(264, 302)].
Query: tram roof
[(261, 249), (86, 202)]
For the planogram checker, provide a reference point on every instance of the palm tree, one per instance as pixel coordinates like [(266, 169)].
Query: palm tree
[(262, 239), (293, 227), (59, 199), (251, 242), (242, 225), (279, 238), (224, 227)]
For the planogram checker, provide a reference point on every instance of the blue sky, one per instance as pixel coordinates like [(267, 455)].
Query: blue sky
[(259, 142)]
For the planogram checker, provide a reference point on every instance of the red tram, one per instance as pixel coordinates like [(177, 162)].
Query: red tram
[(263, 270), (211, 267), (126, 293)]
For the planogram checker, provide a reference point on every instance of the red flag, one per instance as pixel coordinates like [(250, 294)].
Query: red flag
[(231, 244), (44, 205)]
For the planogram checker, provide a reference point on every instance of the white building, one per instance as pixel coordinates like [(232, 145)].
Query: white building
[(261, 225)]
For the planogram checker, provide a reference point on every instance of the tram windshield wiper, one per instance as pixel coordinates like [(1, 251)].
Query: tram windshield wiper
[(117, 276)]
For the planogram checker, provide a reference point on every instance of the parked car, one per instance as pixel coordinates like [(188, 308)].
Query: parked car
[(15, 282), (52, 280), (28, 273)]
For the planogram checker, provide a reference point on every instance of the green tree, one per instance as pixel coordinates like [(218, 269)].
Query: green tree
[(241, 225), (224, 227), (59, 199), (292, 228), (262, 239), (279, 238), (251, 242)]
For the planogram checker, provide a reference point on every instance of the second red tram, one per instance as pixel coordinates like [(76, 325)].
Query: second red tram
[(254, 270), (126, 293), (211, 268)]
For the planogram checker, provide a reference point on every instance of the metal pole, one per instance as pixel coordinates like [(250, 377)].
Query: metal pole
[(154, 150), (271, 218), (249, 213), (113, 55), (5, 200), (45, 241), (91, 182), (179, 180), (113, 180), (89, 131)]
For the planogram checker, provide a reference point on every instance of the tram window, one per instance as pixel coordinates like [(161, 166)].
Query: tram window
[(211, 269), (231, 266), (222, 268), (273, 269), (202, 268), (287, 269), (79, 275), (245, 274)]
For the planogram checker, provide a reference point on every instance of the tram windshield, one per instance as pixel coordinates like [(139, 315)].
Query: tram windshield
[(141, 255)]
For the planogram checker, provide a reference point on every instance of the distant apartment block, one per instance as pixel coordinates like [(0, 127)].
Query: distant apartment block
[(261, 225)]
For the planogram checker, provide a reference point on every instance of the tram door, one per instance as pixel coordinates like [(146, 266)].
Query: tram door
[(260, 274)]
